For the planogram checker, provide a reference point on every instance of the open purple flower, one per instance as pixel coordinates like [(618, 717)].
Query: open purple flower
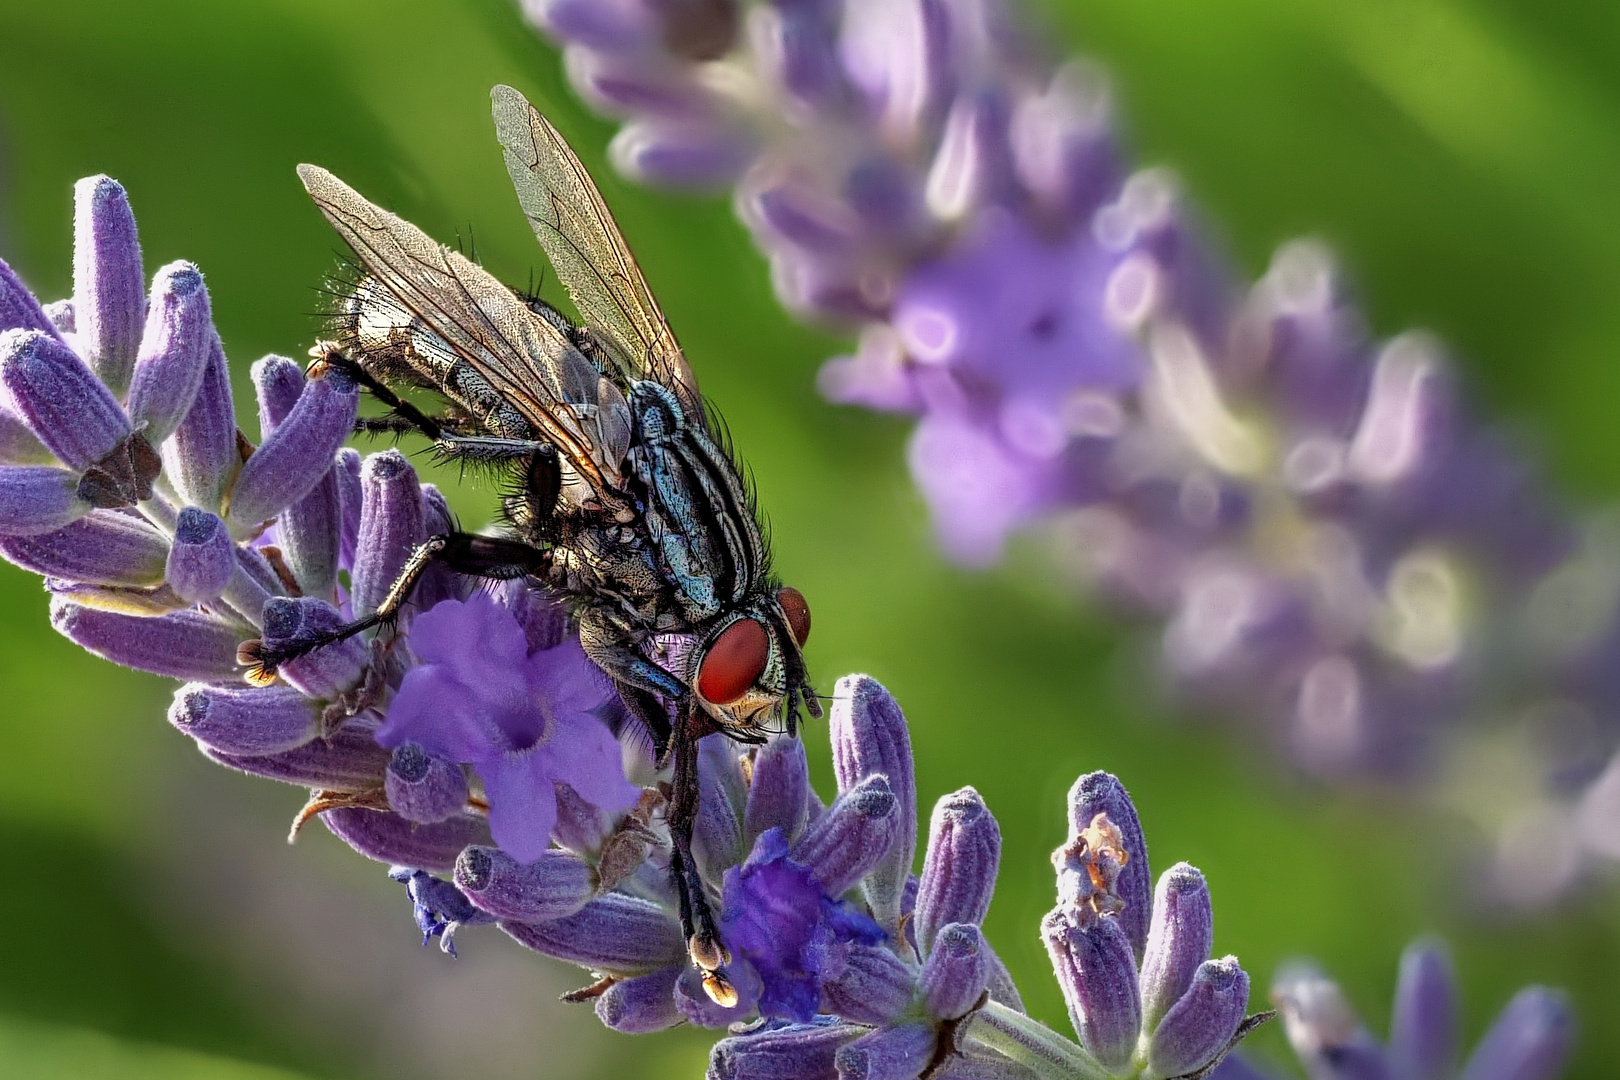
[(524, 721)]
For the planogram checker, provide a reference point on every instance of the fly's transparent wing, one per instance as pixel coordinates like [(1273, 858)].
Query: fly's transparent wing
[(523, 358), (587, 251)]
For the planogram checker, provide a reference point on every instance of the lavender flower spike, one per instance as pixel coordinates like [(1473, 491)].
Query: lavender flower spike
[(1531, 1039)]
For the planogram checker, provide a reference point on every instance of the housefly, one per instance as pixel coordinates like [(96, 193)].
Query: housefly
[(625, 498)]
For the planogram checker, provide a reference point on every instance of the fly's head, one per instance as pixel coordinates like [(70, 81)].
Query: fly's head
[(750, 666)]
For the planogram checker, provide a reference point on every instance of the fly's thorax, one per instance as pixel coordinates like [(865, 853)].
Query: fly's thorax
[(697, 514)]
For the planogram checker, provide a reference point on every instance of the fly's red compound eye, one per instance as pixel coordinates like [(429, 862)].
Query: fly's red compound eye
[(797, 611), (733, 662)]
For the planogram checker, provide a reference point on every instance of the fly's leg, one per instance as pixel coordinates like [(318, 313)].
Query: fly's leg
[(465, 553), (407, 417), (607, 641)]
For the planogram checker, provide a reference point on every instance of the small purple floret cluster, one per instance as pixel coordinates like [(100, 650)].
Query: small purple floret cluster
[(1333, 545)]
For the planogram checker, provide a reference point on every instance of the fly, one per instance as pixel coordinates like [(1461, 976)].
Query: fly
[(626, 500)]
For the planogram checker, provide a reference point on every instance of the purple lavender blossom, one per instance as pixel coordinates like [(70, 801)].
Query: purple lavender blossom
[(1331, 544), (1530, 1039), (522, 720)]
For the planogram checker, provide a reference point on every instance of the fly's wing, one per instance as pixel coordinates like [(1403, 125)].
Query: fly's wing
[(586, 250), (523, 358)]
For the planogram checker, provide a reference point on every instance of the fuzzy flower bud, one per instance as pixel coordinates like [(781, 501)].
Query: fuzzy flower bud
[(959, 867), (173, 353), (555, 885), (870, 738), (424, 788), (203, 558), (248, 721), (109, 286)]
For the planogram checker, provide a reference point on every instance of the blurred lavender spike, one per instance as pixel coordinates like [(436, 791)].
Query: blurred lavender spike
[(1333, 546)]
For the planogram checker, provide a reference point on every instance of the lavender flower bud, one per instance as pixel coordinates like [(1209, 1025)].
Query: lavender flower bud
[(347, 760), (202, 457), (641, 1005), (959, 867), (555, 885), (298, 453), (1179, 940), (18, 308), (717, 832), (38, 499), (869, 737), (326, 672), (389, 838), (797, 48), (105, 547), (202, 560), (1322, 1027), (188, 645), (351, 500), (438, 582), (608, 27), (424, 788), (973, 167), (782, 1051), (1102, 793), (956, 973), (891, 1053), (852, 837), (1532, 1039), (900, 55), (241, 720), (310, 534), (109, 286), (44, 382), (1199, 1026), (390, 527), (778, 794), (278, 382), (686, 153), (173, 351), (615, 934), (18, 445), (1423, 1024), (1097, 973), (867, 984)]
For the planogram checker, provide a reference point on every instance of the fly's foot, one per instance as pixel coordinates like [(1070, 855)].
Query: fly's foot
[(711, 958)]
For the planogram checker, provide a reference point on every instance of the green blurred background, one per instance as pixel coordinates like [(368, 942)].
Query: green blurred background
[(1463, 155)]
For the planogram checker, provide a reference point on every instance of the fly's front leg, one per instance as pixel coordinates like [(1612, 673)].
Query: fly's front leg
[(465, 553), (609, 643)]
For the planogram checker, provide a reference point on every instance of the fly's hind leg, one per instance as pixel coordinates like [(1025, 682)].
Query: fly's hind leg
[(465, 553)]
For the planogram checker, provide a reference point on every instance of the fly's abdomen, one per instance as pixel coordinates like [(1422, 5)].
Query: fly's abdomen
[(697, 514)]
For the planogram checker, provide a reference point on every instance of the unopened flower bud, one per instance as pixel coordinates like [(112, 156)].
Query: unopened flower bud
[(614, 934), (19, 310), (1101, 793), (555, 885), (1533, 1037), (326, 672), (103, 548), (641, 1005), (957, 971), (243, 720), (44, 382), (783, 1051), (1097, 972), (189, 645), (390, 527), (892, 1053), (203, 557), (173, 352), (202, 457), (1201, 1024), (867, 984), (717, 834), (38, 499), (869, 737), (959, 866), (389, 838), (347, 760), (295, 457), (858, 830), (778, 793), (1179, 940), (1423, 1025), (109, 286), (424, 788)]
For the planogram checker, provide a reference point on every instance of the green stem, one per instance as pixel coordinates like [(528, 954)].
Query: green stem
[(1033, 1045)]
